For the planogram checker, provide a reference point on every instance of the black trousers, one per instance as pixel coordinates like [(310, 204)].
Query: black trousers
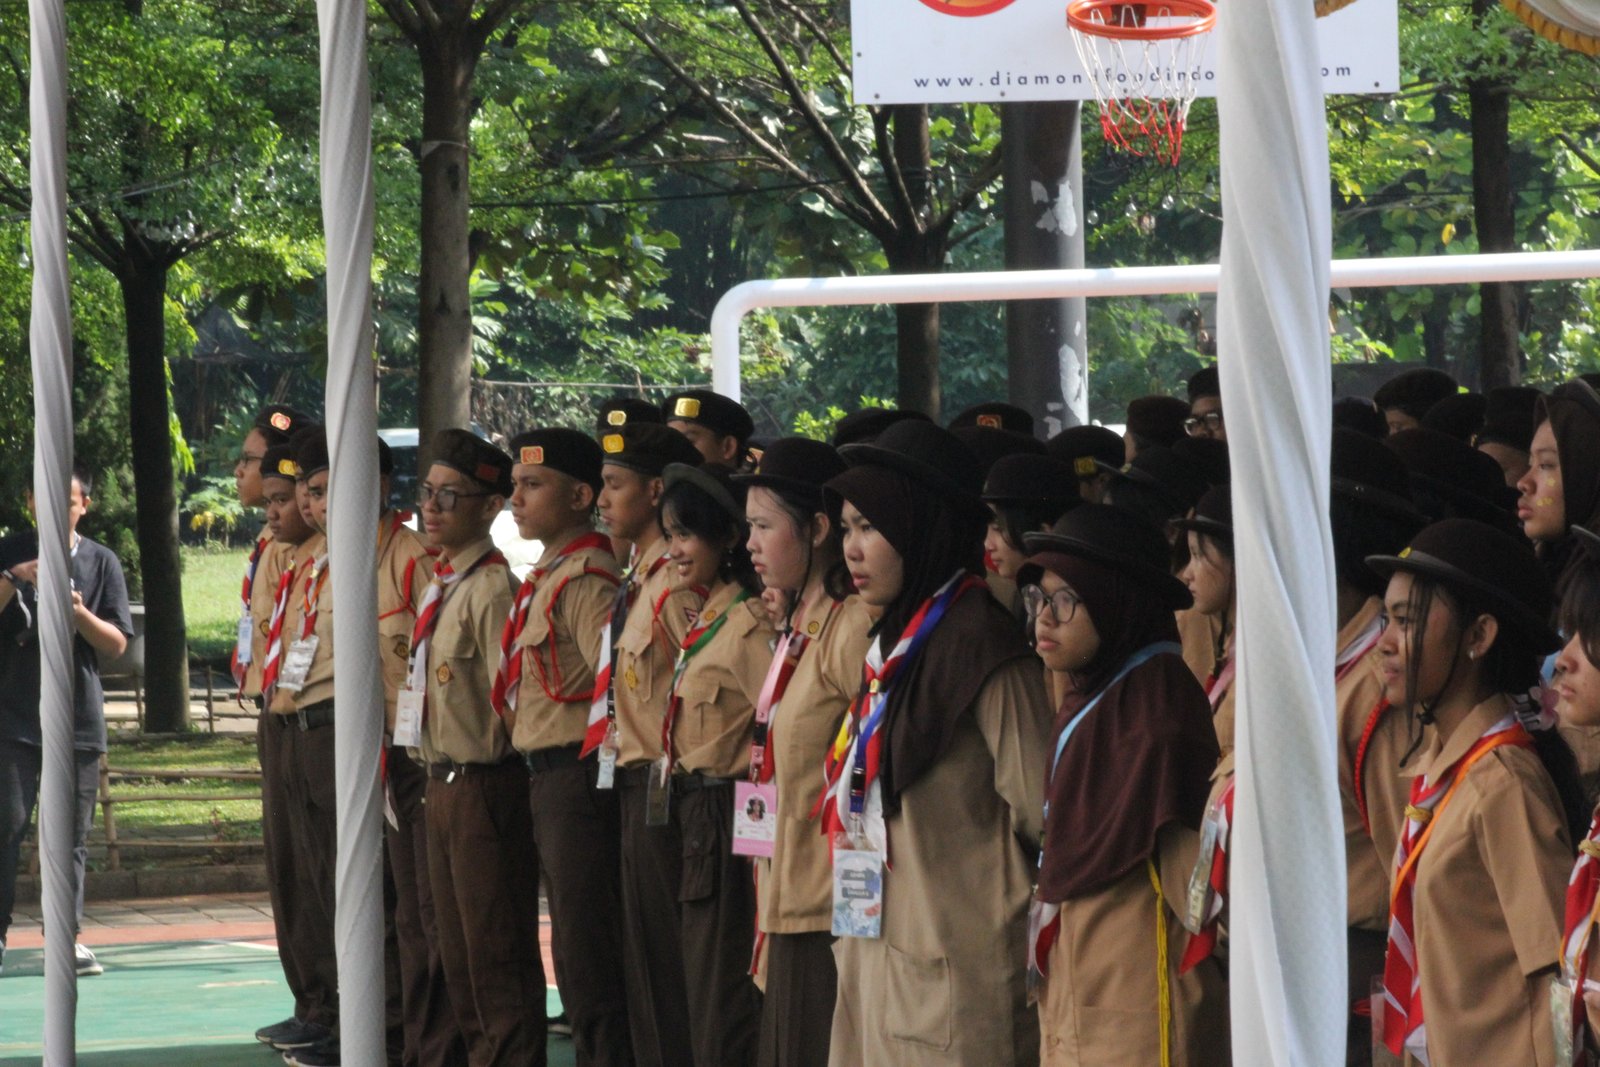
[(652, 868), (20, 767), (797, 1010)]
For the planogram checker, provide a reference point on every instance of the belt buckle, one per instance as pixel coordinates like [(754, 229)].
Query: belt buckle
[(450, 776), (301, 721)]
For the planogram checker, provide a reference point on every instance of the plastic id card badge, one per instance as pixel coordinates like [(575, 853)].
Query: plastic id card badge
[(247, 630), (1561, 996), (297, 664), (658, 794), (857, 888), (1200, 892), (408, 718), (605, 776), (755, 818)]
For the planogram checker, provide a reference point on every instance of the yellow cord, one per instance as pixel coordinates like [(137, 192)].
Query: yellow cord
[(1163, 975)]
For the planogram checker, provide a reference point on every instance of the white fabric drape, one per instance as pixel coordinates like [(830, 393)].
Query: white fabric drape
[(50, 333), (1287, 893), (346, 145)]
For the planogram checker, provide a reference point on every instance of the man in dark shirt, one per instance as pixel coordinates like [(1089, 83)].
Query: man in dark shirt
[(101, 625)]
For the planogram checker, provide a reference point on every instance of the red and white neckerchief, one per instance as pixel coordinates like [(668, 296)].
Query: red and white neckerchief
[(241, 656), (311, 595), (1219, 683), (603, 701), (274, 656), (508, 676), (855, 757), (1204, 940), (786, 657), (445, 577), (1403, 1029), (1578, 923), (1359, 646)]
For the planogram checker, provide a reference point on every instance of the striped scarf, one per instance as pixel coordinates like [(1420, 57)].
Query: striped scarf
[(1577, 928), (508, 676), (444, 578), (280, 608)]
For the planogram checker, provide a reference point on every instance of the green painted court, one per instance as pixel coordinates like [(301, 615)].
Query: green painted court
[(182, 1003)]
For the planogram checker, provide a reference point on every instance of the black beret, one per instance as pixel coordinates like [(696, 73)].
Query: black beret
[(1415, 391), (1460, 416), (1204, 382), (574, 454), (621, 410), (1089, 449), (647, 447), (996, 416), (1157, 419), (1508, 418), (309, 447), (278, 422), (474, 457), (711, 410), (991, 446), (1361, 415), (278, 462), (864, 426)]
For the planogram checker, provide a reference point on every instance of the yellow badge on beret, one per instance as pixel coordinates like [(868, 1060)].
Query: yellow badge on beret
[(288, 468), (814, 628), (991, 421), (631, 678), (1085, 466), (687, 407), (533, 455), (1405, 553), (616, 418), (612, 443), (280, 421), (443, 673)]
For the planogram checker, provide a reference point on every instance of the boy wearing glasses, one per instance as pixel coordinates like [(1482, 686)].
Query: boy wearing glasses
[(1205, 406), (481, 865)]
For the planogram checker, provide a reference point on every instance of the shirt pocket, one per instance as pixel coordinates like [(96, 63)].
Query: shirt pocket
[(636, 666), (455, 654), (394, 639), (699, 717), (918, 1004)]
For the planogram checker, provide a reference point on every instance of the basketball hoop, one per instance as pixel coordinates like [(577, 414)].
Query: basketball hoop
[(1144, 61)]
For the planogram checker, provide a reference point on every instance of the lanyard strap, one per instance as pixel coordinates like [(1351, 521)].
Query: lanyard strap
[(694, 642)]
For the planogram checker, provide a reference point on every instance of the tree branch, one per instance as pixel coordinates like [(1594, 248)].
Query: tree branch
[(883, 147), (1582, 155), (404, 16), (804, 18), (981, 179)]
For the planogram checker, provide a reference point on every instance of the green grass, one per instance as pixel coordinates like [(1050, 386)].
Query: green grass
[(228, 820), (211, 599)]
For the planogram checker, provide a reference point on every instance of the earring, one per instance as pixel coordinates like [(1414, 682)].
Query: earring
[(1472, 653)]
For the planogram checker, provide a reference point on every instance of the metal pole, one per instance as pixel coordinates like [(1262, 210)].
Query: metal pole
[(50, 331), (1046, 340)]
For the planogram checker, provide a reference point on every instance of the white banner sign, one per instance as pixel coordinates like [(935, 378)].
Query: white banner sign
[(961, 51)]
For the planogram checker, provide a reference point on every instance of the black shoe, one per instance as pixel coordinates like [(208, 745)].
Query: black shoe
[(324, 1053), (292, 1034)]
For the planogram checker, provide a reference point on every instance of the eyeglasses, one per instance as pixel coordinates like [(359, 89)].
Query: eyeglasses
[(443, 499), (1211, 420), (244, 459), (1063, 604)]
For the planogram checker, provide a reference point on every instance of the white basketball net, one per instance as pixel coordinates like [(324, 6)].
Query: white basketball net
[(1144, 87)]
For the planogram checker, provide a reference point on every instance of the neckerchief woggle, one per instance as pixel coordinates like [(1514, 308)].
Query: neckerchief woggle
[(1044, 918)]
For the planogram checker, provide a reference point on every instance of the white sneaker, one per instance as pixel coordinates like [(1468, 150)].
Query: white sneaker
[(88, 966)]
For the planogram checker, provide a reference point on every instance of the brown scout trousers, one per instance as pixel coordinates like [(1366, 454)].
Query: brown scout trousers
[(797, 1011), (431, 1036), (485, 882), (652, 943), (578, 841)]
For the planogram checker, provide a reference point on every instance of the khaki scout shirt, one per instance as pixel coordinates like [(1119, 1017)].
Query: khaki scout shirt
[(1355, 696), (462, 657), (404, 569), (315, 581), (560, 646), (283, 701), (269, 568), (1491, 886), (716, 720), (662, 613), (795, 887)]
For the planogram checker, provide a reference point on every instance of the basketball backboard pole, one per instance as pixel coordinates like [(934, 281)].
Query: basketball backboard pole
[(1042, 164)]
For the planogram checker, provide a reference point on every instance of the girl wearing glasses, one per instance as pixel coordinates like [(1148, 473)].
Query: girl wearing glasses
[(1105, 935)]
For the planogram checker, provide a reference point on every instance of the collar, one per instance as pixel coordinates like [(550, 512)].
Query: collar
[(462, 561), (648, 559), (1478, 720), (554, 549)]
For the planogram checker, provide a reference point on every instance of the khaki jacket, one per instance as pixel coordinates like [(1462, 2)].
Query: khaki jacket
[(795, 887), (945, 984), (283, 701), (560, 647), (462, 657), (269, 568), (662, 613), (1491, 886), (716, 720), (1355, 697)]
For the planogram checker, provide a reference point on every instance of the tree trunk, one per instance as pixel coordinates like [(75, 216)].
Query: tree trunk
[(1495, 222), (166, 647), (444, 316), (916, 252)]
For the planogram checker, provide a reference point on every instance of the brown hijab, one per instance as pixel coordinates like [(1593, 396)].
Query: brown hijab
[(1141, 759)]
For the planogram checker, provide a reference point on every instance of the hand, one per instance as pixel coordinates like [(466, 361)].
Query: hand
[(27, 572), (77, 601)]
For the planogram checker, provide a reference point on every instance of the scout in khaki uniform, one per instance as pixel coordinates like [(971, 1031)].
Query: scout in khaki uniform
[(297, 912), (610, 418), (711, 701), (1485, 853), (1209, 576), (1102, 599), (273, 426), (1371, 514), (645, 629), (480, 861), (716, 426), (939, 766), (798, 550), (549, 653)]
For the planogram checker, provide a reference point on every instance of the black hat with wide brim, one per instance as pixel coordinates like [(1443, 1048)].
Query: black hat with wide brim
[(714, 482), (1212, 516), (1496, 566), (1115, 537), (930, 456), (797, 464)]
